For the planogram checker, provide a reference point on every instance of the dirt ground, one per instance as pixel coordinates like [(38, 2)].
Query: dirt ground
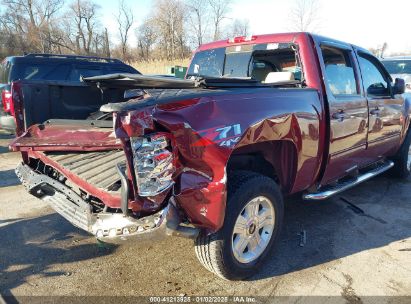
[(357, 244)]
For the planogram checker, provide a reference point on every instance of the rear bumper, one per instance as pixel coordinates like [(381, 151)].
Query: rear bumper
[(108, 227)]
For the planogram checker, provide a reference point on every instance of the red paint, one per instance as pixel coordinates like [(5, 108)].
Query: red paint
[(66, 138), (17, 101), (201, 177)]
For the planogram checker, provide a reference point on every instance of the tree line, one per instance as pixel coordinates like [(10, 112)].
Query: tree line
[(170, 31)]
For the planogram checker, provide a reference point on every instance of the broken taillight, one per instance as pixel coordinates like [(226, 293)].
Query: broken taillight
[(7, 100), (153, 164)]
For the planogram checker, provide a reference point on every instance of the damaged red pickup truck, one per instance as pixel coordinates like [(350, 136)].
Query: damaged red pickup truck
[(212, 156)]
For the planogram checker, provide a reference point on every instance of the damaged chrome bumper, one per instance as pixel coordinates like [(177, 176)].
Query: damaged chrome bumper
[(107, 227)]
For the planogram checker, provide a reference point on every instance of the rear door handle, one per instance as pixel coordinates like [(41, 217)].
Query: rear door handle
[(375, 112), (340, 115)]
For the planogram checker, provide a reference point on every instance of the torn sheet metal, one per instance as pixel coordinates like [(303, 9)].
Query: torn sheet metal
[(207, 130)]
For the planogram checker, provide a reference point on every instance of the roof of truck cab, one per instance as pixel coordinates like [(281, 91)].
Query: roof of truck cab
[(266, 38), (274, 38)]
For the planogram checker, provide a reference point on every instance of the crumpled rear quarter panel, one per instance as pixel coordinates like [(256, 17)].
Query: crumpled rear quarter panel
[(206, 131)]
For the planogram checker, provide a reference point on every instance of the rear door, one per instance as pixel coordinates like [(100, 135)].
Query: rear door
[(385, 109), (348, 110)]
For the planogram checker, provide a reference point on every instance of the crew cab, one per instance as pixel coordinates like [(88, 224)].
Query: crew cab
[(211, 157)]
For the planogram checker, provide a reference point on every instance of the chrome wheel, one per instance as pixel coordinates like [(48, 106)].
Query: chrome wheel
[(253, 229)]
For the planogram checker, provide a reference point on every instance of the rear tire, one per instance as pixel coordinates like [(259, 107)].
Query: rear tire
[(402, 160), (256, 198)]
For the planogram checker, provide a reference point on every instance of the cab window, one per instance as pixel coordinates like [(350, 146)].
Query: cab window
[(265, 62), (339, 71), (373, 79)]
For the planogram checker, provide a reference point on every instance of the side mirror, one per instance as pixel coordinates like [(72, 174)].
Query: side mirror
[(399, 86)]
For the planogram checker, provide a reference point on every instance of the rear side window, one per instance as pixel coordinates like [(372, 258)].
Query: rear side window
[(373, 79), (339, 71)]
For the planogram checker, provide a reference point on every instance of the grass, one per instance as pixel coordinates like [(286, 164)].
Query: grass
[(158, 66)]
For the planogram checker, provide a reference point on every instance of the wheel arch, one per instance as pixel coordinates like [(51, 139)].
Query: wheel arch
[(276, 159)]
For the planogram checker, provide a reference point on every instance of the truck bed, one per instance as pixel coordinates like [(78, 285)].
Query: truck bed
[(44, 100), (96, 168)]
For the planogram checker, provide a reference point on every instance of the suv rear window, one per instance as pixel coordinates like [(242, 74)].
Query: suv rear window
[(39, 71), (77, 72), (90, 71)]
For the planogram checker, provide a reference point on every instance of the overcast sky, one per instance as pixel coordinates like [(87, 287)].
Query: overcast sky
[(367, 23)]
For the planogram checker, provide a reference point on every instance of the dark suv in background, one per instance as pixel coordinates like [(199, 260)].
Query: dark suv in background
[(50, 67)]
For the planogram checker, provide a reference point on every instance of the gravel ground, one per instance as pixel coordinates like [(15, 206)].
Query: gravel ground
[(358, 244)]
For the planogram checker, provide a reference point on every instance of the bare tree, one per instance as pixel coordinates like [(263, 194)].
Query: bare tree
[(219, 10), (36, 12), (146, 38), (29, 23), (379, 51), (125, 20), (240, 27), (85, 16), (169, 16), (198, 18), (51, 26), (383, 49), (305, 15), (106, 44)]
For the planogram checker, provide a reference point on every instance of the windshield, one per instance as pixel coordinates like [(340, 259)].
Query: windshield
[(266, 63), (398, 66)]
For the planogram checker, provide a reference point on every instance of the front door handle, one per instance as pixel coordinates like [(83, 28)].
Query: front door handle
[(340, 115), (376, 112)]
